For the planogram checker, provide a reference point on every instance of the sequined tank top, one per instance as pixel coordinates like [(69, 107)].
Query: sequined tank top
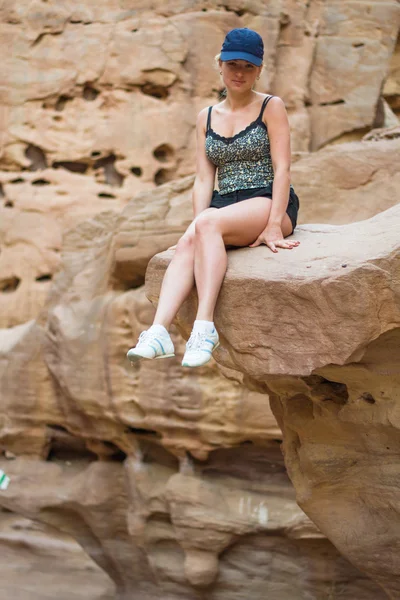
[(243, 160)]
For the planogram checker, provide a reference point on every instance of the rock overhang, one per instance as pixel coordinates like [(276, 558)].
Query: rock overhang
[(298, 310)]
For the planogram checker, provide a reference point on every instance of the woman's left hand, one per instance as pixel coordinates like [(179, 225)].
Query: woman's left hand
[(272, 237)]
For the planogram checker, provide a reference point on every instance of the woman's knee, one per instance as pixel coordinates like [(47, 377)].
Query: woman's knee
[(185, 245), (206, 223)]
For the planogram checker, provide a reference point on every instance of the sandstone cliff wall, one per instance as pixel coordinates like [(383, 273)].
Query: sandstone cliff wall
[(166, 483)]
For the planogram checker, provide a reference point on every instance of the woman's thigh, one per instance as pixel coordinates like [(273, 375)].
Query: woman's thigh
[(240, 224)]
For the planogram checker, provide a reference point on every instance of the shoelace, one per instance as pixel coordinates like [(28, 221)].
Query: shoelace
[(196, 339), (145, 337)]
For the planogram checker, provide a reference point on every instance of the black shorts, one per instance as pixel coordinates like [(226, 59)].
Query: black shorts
[(220, 200)]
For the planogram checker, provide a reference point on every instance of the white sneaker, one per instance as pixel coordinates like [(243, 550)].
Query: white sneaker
[(199, 348), (152, 344)]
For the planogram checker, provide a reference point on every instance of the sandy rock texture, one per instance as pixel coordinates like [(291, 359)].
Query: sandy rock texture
[(99, 101), (322, 339), (57, 556), (226, 527), (99, 88), (391, 89), (171, 481), (337, 185), (157, 482), (349, 182), (37, 208)]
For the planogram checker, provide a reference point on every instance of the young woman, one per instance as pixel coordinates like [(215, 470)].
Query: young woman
[(246, 138)]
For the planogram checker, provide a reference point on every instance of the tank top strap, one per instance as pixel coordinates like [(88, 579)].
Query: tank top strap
[(264, 104), (209, 119)]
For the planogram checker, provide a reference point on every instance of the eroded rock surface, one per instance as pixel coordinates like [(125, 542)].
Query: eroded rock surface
[(322, 338), (171, 480), (133, 74), (349, 182), (57, 556), (164, 483)]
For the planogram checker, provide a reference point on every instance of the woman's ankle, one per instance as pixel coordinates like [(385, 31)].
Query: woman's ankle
[(203, 325), (207, 318), (160, 327)]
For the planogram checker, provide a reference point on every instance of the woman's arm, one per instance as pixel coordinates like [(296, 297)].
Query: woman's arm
[(279, 136), (205, 170)]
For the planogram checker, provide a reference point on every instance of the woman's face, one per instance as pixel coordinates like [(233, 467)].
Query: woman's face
[(239, 74)]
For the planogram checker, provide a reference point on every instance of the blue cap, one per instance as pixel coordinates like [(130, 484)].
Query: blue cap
[(245, 44)]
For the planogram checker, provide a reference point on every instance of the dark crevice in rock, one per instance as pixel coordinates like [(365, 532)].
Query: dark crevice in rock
[(140, 431), (137, 171), (9, 284), (39, 38), (111, 174), (284, 19), (123, 280), (238, 11), (95, 154), (18, 180), (63, 445), (164, 175), (9, 204), (159, 517), (164, 153), (80, 21), (154, 452), (57, 428), (40, 182), (324, 390), (2, 193), (115, 453), (284, 22), (245, 462), (46, 277), (358, 44), (90, 93), (105, 195), (367, 397), (394, 102), (37, 158), (379, 119), (333, 103), (156, 91), (61, 102), (74, 167)]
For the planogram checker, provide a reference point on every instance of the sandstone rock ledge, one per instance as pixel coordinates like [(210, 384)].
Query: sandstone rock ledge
[(167, 483), (322, 338)]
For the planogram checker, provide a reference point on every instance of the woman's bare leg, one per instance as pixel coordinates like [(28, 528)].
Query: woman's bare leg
[(178, 279), (236, 225), (177, 283), (210, 263)]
